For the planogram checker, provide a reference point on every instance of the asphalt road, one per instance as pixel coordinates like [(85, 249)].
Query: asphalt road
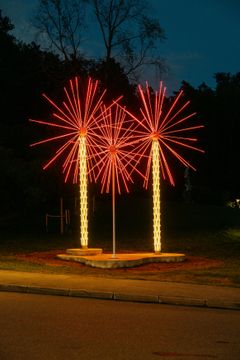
[(34, 327)]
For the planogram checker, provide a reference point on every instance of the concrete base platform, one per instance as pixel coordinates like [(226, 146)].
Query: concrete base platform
[(84, 251), (107, 261)]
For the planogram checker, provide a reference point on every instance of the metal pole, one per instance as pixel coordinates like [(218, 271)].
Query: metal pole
[(113, 212), (61, 216)]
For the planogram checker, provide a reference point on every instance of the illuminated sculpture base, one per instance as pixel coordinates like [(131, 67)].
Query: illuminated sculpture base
[(84, 251), (106, 261)]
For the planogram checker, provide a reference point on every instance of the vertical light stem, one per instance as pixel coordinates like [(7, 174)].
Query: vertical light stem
[(113, 212), (61, 217), (156, 196), (83, 192)]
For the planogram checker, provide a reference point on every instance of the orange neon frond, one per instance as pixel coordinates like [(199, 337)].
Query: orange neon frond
[(77, 116), (114, 152), (170, 127)]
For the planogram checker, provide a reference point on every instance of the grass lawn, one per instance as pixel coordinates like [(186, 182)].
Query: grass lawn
[(208, 235)]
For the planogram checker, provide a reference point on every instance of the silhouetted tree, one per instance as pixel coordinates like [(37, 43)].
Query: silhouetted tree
[(61, 23), (227, 121), (25, 72), (129, 34), (113, 78), (218, 176)]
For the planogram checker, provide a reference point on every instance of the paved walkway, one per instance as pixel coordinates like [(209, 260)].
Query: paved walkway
[(121, 289)]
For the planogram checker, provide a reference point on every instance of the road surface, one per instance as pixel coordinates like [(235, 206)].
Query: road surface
[(40, 327)]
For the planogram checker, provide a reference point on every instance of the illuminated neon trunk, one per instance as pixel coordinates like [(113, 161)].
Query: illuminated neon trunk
[(83, 192), (156, 196)]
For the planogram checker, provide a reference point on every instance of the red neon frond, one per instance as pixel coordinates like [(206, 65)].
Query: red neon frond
[(114, 152), (168, 126), (78, 114)]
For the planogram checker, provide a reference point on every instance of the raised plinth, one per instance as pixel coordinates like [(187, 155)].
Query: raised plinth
[(84, 251), (107, 261)]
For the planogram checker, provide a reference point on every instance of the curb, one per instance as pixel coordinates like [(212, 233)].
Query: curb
[(91, 294), (136, 298), (104, 295)]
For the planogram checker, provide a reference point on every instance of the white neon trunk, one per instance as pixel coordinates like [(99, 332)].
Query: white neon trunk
[(156, 196), (83, 192)]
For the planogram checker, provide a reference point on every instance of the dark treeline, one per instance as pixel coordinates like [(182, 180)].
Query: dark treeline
[(26, 71)]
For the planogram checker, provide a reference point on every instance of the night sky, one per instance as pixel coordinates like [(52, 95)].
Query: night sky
[(202, 36)]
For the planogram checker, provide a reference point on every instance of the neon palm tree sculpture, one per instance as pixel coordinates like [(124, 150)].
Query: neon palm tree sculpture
[(77, 120), (116, 155), (159, 132)]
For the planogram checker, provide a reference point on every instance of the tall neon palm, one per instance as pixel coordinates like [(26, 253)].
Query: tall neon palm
[(160, 131), (115, 155), (76, 118)]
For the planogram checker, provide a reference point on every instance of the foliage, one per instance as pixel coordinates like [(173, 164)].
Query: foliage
[(220, 112), (26, 71), (106, 71), (5, 25)]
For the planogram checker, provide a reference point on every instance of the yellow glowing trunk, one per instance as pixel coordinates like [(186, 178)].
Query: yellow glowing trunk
[(156, 196), (83, 192)]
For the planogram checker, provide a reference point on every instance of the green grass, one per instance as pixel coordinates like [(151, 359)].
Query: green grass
[(13, 263), (205, 232)]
